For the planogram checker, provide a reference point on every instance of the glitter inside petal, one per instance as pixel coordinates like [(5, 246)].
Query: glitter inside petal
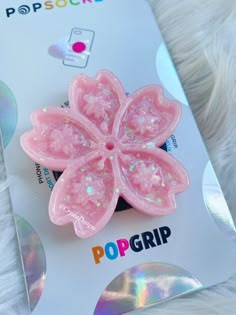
[(149, 117), (85, 195), (58, 138), (97, 99), (151, 179)]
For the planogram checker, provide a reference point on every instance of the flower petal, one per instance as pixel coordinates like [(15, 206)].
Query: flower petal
[(85, 195), (98, 99), (148, 117), (58, 138), (151, 178)]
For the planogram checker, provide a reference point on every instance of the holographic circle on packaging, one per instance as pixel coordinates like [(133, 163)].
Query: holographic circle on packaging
[(216, 203), (143, 286), (34, 260), (8, 113), (168, 75)]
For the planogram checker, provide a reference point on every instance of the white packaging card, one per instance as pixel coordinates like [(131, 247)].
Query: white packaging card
[(44, 44)]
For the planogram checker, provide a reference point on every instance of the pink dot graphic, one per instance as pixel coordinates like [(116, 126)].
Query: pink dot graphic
[(79, 47)]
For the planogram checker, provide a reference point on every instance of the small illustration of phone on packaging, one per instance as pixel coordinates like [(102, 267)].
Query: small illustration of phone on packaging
[(79, 48)]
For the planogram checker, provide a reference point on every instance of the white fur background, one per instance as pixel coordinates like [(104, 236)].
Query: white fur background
[(201, 37)]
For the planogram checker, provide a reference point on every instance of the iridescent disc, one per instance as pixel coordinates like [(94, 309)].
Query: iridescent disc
[(8, 113), (216, 204), (143, 286), (168, 75), (34, 260)]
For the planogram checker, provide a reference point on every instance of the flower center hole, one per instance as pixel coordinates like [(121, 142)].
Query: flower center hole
[(110, 146)]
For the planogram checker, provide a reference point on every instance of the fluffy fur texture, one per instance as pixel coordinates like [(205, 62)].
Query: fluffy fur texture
[(200, 36)]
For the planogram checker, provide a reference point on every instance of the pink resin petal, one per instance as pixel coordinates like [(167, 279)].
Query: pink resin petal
[(85, 195), (98, 99), (148, 117), (58, 138), (151, 178)]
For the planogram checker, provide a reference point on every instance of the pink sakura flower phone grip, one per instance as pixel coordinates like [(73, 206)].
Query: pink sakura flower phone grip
[(107, 145)]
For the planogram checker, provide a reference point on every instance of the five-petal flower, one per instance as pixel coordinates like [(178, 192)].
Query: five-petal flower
[(107, 145)]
